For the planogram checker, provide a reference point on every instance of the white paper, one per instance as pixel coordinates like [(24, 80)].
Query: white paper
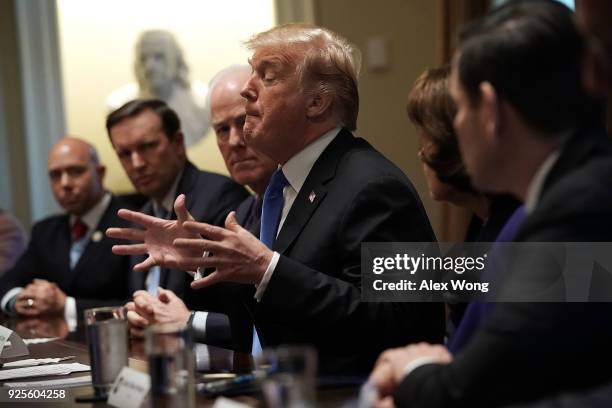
[(14, 347), (223, 402), (56, 369), (40, 340), (129, 389), (4, 336), (30, 362), (61, 383)]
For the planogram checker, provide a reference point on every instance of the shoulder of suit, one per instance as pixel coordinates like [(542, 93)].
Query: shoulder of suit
[(214, 181), (363, 163)]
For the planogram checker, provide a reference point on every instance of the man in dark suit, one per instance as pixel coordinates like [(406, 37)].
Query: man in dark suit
[(528, 128), (247, 167), (147, 137), (332, 193), (68, 265)]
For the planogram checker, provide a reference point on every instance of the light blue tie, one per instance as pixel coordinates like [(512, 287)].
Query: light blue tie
[(272, 209), (76, 250), (152, 281)]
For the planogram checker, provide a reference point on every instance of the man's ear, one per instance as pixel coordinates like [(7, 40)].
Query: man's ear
[(491, 110), (101, 170), (179, 139), (318, 106)]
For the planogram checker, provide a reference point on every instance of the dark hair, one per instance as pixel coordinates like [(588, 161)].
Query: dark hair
[(531, 53), (432, 110), (169, 119)]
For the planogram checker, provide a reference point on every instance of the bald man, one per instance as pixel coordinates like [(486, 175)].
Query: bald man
[(68, 265)]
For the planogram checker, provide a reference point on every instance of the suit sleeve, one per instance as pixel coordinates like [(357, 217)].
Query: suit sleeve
[(385, 210)]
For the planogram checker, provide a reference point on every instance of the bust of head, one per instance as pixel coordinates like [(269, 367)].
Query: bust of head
[(159, 64)]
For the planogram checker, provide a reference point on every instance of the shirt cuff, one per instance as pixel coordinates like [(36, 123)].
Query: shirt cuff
[(261, 288), (202, 356), (416, 363), (8, 297), (70, 313), (198, 324)]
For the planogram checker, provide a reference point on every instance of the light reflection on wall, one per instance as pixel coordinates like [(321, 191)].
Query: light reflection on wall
[(97, 40)]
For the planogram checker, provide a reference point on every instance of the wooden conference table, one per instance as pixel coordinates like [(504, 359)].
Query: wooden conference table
[(75, 344)]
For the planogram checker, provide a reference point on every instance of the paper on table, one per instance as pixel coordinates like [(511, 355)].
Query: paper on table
[(61, 383), (36, 341), (56, 369), (40, 340), (223, 402)]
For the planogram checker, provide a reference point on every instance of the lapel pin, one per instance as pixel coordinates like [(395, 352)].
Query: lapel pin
[(312, 196), (97, 236)]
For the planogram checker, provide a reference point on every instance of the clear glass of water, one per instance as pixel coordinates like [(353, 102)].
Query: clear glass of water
[(289, 376), (169, 349)]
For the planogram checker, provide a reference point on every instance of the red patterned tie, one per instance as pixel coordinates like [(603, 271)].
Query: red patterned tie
[(79, 229)]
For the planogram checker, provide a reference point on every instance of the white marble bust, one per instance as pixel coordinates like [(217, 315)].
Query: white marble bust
[(161, 73)]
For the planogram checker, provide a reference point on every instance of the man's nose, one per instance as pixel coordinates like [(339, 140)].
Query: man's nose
[(65, 180), (137, 160), (236, 137), (248, 91)]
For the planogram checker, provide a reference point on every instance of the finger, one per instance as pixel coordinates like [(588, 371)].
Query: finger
[(144, 304), (29, 311), (132, 249), (145, 265), (199, 244), (231, 223), (137, 320), (42, 281), (138, 218), (126, 233), (383, 378), (209, 231), (165, 295), (141, 293), (206, 281), (180, 208), (130, 306), (386, 402), (192, 263)]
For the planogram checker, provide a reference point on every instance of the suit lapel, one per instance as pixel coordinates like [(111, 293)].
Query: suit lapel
[(313, 191), (93, 249), (61, 246)]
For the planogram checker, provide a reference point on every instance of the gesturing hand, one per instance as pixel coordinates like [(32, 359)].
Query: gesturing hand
[(156, 238), (236, 254)]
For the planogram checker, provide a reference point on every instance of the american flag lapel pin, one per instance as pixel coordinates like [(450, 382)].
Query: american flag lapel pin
[(312, 197)]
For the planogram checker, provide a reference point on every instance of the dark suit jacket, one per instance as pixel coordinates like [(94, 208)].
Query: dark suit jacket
[(209, 197), (235, 331), (100, 278), (314, 294), (528, 350)]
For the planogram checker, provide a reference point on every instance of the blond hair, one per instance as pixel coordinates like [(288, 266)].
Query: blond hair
[(325, 62)]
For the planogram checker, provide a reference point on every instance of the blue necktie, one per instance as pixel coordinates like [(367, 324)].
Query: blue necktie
[(476, 312), (273, 202), (272, 209)]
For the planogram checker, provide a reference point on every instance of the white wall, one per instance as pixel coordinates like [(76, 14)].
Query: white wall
[(97, 41)]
